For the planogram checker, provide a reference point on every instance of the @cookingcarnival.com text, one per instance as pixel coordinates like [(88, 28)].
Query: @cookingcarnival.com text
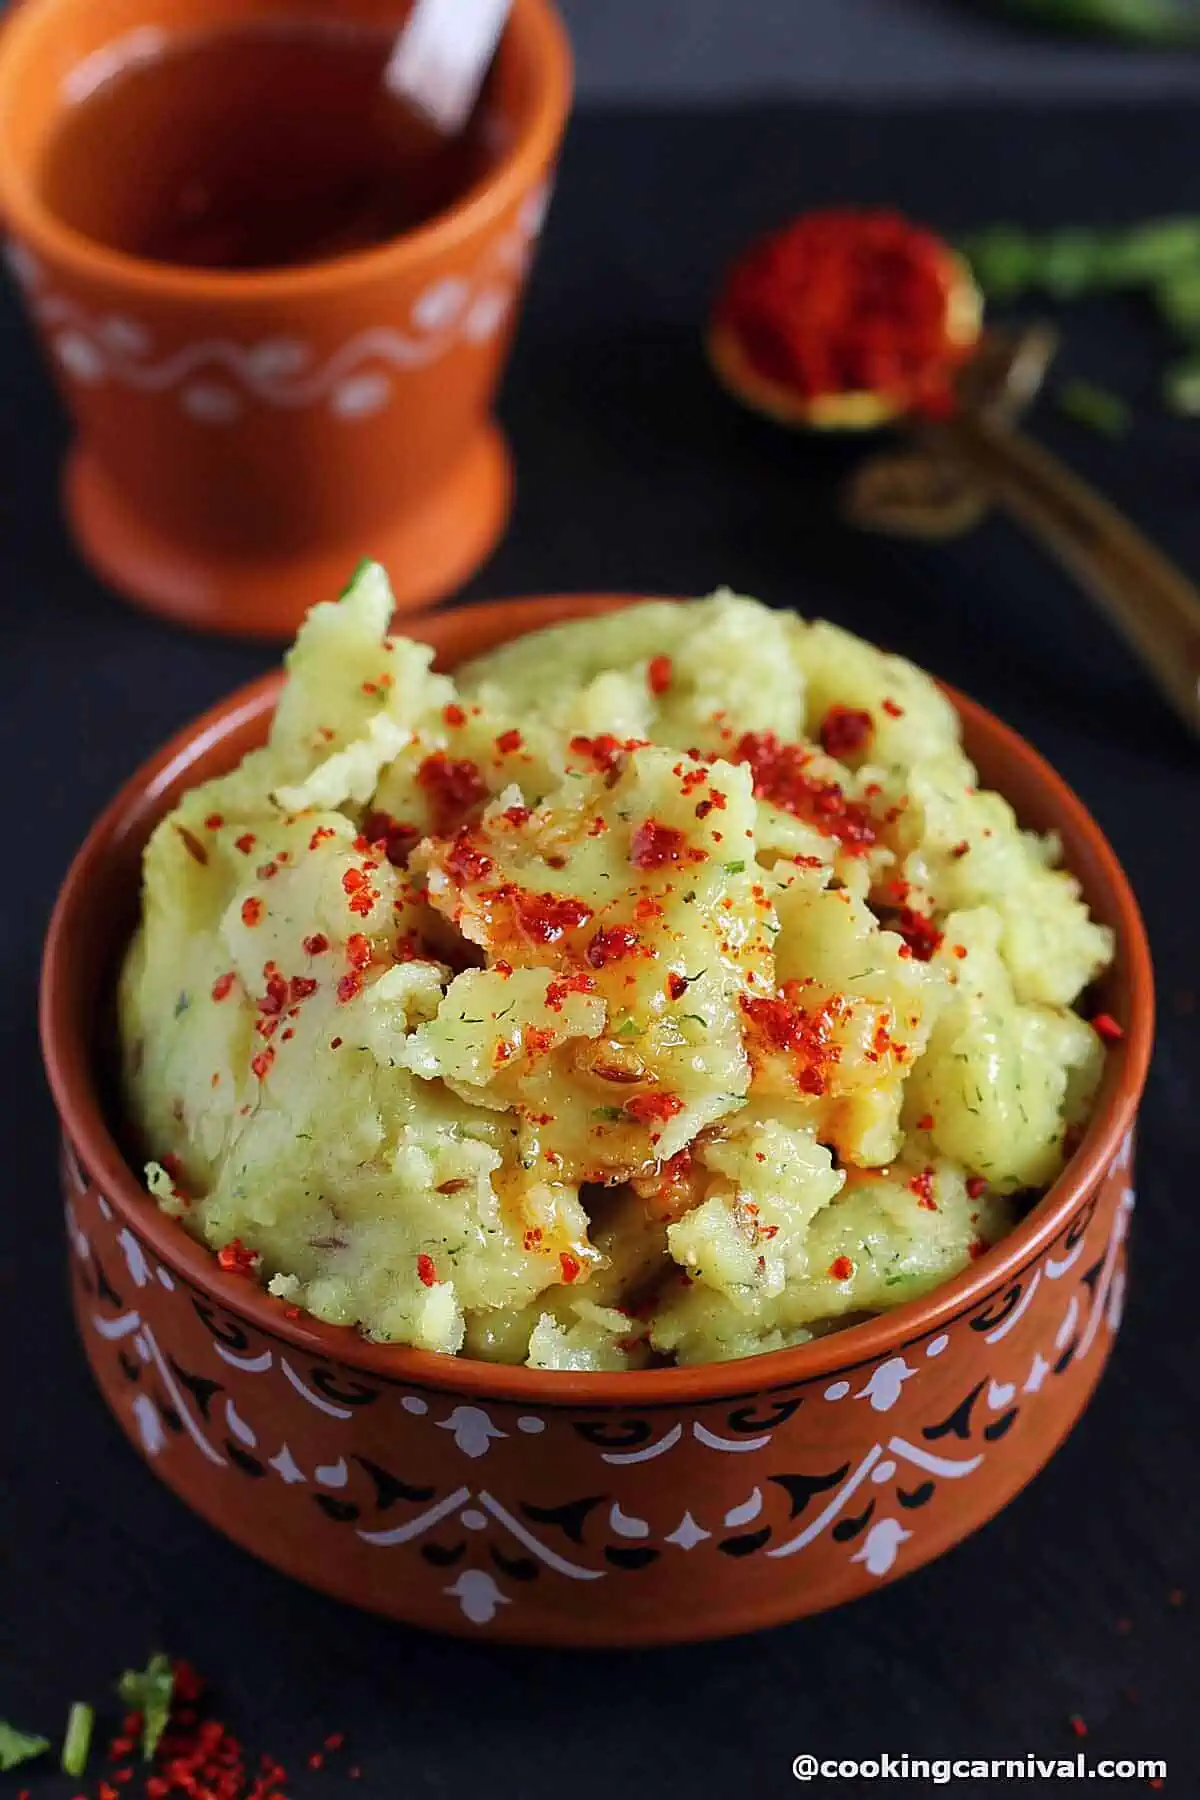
[(942, 1771)]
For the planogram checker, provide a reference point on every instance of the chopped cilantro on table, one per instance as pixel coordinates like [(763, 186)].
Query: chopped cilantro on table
[(17, 1747), (149, 1691)]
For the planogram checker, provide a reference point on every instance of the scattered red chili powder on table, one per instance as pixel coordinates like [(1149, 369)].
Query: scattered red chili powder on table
[(846, 300), (1078, 1725), (1106, 1027)]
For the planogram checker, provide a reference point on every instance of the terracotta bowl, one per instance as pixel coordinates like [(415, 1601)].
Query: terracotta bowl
[(242, 438), (581, 1509)]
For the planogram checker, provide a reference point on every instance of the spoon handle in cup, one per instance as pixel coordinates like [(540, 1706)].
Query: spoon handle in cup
[(1151, 602)]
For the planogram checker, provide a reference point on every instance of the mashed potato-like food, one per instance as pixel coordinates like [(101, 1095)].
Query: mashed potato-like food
[(661, 986)]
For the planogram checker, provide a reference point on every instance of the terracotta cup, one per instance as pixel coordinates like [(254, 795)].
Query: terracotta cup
[(243, 439), (546, 1507)]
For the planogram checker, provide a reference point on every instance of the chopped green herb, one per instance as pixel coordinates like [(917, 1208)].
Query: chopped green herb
[(614, 1114), (697, 1019), (1178, 299), (17, 1747), (354, 580), (628, 1028), (77, 1740), (734, 868), (1094, 407), (1002, 258), (1070, 263), (149, 1692), (689, 896), (1181, 387), (182, 1003)]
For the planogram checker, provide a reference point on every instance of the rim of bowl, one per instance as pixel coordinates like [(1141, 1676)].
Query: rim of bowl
[(68, 1057), (27, 220)]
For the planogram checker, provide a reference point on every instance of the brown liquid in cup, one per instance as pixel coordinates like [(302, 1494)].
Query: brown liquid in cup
[(261, 147)]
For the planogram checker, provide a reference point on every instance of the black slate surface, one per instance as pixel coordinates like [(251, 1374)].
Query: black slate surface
[(635, 473)]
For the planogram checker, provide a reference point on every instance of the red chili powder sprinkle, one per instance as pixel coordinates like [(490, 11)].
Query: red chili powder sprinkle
[(557, 991), (841, 1268), (658, 674), (960, 850), (354, 1773), (610, 944), (455, 789), (959, 950), (844, 731), (358, 950), (545, 917), (454, 715), (316, 1760), (655, 845), (779, 773), (275, 999), (649, 1109), (336, 1043), (925, 1122), (301, 987), (213, 822), (845, 300), (320, 834), (245, 843), (261, 1063), (570, 1266), (1105, 1026), (892, 710), (252, 910), (922, 1187), (677, 985), (919, 933), (317, 944), (398, 841), (426, 1270), (465, 863), (976, 1249), (223, 984), (235, 1259), (348, 987), (508, 742), (335, 1740)]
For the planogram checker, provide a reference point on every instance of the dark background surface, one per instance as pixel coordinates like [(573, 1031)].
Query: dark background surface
[(635, 472)]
